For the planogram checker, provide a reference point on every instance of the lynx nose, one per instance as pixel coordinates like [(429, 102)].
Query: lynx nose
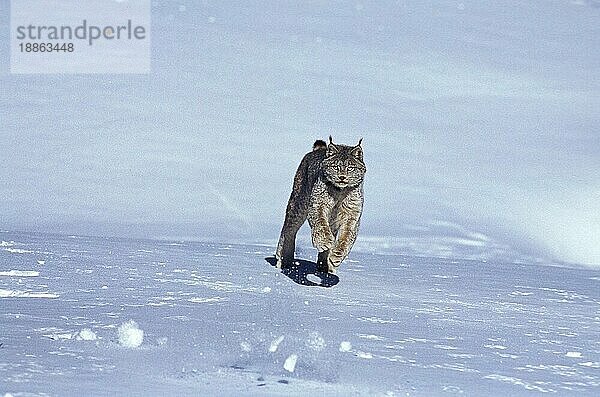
[(342, 178)]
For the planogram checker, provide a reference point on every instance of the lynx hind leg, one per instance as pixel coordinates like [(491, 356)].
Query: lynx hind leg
[(285, 252), (286, 248)]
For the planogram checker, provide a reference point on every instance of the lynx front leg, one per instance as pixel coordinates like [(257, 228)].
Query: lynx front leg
[(345, 241), (349, 219), (318, 218), (322, 238)]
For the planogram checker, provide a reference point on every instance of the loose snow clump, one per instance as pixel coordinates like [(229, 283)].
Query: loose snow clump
[(87, 334), (130, 335), (345, 346), (290, 363), (275, 344)]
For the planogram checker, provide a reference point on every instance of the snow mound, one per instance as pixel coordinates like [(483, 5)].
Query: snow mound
[(87, 334), (130, 335)]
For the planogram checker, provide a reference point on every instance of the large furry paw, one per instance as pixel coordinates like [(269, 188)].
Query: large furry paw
[(333, 261)]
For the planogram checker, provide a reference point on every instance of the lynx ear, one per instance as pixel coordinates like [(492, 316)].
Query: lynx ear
[(332, 148), (357, 151), (359, 142)]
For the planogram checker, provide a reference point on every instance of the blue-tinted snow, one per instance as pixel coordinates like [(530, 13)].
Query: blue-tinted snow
[(217, 319)]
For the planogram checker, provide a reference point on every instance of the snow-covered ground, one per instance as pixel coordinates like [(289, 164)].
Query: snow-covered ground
[(479, 112), (105, 316), (480, 123)]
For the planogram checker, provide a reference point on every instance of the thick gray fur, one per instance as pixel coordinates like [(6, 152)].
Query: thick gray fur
[(328, 191)]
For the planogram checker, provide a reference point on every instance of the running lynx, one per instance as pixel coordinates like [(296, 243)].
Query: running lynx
[(328, 190)]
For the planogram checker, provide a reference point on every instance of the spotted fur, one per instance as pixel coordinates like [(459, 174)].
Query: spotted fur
[(328, 191)]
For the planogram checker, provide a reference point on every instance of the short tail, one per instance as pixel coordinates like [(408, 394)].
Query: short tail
[(319, 144)]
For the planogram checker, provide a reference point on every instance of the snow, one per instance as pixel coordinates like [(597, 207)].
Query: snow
[(574, 354), (11, 293), (245, 346), (390, 326), (20, 273), (345, 346), (130, 335), (480, 123), (290, 363), (17, 251), (87, 334), (316, 342), (275, 344)]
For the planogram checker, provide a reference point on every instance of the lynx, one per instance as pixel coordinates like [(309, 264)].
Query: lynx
[(328, 190)]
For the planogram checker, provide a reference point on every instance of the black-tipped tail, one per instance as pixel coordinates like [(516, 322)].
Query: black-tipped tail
[(319, 144)]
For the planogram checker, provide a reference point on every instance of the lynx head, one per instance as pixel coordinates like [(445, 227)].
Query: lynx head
[(343, 165)]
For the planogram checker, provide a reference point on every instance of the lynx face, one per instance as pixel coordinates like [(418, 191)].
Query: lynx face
[(343, 166)]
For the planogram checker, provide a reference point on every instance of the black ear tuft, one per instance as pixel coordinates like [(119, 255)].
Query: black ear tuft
[(359, 142), (330, 139), (332, 148)]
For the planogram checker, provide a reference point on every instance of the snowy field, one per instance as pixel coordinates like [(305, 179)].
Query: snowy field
[(218, 319), (480, 123)]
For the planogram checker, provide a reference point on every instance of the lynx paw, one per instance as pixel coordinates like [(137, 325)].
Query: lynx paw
[(333, 261), (322, 265)]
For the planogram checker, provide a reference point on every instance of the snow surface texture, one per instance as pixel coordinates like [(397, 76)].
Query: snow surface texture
[(218, 319), (473, 111)]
